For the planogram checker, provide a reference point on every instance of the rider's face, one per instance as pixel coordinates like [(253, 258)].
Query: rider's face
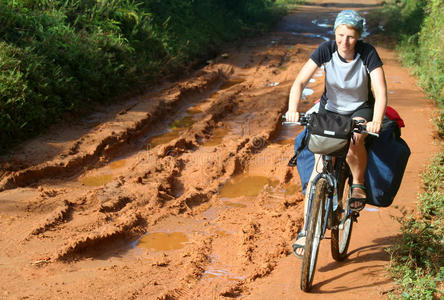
[(346, 38)]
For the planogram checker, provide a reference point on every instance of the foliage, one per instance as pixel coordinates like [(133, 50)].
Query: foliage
[(417, 256), (289, 4), (59, 56), (419, 28)]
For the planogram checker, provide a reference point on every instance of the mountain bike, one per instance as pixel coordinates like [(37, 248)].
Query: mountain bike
[(328, 208)]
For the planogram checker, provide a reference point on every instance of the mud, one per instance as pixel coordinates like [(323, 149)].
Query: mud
[(184, 192)]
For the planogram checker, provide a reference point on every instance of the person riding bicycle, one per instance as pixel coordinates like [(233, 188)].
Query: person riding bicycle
[(352, 68)]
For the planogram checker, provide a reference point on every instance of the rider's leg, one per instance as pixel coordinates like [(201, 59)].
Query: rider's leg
[(357, 160)]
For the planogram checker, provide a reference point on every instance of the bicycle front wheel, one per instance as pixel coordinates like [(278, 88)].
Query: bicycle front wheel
[(314, 232), (343, 221)]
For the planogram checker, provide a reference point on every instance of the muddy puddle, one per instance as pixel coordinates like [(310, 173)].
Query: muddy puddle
[(163, 241), (176, 128), (245, 185), (104, 175), (97, 180), (231, 82), (217, 136), (221, 273)]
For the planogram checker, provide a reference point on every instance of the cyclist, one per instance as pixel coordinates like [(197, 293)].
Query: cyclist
[(352, 68)]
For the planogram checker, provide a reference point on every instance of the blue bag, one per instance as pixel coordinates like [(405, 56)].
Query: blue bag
[(387, 160), (303, 159)]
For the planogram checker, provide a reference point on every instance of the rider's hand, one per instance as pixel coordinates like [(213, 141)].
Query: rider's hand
[(374, 126), (292, 116)]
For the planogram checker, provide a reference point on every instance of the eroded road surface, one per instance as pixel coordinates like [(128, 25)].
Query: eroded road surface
[(184, 192)]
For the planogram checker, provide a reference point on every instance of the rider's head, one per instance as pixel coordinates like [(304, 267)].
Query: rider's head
[(351, 19)]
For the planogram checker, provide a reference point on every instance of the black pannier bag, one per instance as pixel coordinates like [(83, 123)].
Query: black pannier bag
[(329, 133), (387, 160)]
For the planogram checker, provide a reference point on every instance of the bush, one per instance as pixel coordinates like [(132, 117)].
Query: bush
[(418, 26), (417, 256)]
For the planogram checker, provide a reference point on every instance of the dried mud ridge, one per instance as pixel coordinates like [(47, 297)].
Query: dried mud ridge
[(65, 222)]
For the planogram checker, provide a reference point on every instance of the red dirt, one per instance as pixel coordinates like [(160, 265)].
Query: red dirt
[(75, 201)]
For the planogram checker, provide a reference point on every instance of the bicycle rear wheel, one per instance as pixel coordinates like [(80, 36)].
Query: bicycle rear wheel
[(313, 236), (343, 223)]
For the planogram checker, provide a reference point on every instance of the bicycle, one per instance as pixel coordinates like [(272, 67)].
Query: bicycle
[(328, 208)]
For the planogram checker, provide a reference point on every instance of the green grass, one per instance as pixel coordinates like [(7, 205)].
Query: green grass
[(289, 4), (418, 27), (417, 256)]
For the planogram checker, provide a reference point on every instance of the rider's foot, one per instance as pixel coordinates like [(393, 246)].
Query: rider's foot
[(358, 197), (299, 245)]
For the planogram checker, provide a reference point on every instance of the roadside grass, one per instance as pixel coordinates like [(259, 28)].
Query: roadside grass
[(289, 4), (418, 28), (417, 256)]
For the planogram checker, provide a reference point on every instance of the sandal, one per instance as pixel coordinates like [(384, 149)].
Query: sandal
[(299, 245), (357, 204)]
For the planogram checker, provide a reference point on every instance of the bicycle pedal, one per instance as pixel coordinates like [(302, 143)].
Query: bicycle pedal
[(355, 216)]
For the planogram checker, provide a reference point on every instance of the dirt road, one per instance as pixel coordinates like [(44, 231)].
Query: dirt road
[(183, 192)]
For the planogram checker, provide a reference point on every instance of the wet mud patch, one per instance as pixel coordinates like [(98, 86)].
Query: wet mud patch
[(163, 241), (245, 185), (97, 180)]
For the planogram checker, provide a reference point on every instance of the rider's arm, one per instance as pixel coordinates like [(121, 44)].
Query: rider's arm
[(298, 86), (380, 91)]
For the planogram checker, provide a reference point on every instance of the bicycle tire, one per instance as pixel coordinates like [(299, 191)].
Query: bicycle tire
[(313, 235), (340, 237)]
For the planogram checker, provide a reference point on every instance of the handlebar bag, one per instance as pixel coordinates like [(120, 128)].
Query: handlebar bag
[(329, 133), (387, 159)]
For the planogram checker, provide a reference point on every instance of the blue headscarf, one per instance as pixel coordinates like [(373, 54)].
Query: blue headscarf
[(350, 18)]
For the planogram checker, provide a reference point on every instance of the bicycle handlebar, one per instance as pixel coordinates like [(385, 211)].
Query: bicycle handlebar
[(304, 119)]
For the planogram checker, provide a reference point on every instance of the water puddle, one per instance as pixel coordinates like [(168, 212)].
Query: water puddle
[(176, 129), (221, 273), (322, 23), (311, 35), (282, 192), (217, 136), (183, 123), (231, 82), (373, 209), (117, 164), (307, 92), (245, 185), (98, 180), (291, 189), (162, 241)]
